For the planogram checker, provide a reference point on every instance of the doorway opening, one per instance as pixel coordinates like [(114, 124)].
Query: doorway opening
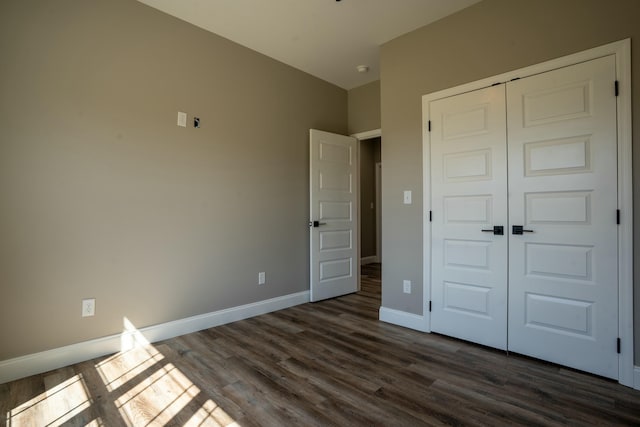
[(370, 202)]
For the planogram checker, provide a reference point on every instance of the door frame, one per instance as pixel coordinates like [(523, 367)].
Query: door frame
[(362, 136), (622, 51), (379, 209)]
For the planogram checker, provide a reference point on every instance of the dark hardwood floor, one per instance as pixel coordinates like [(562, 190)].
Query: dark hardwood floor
[(327, 363)]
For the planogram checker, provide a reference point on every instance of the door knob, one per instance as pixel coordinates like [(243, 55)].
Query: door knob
[(519, 229), (497, 230), (316, 223)]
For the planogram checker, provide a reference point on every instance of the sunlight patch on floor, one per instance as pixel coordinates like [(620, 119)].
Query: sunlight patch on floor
[(122, 367), (157, 398), (211, 414), (145, 390), (155, 395), (54, 407)]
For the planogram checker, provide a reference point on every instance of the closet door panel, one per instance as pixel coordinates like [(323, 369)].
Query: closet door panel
[(563, 281), (469, 195)]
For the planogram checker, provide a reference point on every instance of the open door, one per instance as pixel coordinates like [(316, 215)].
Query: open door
[(333, 215)]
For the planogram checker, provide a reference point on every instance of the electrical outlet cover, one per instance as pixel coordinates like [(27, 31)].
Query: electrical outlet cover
[(88, 307), (406, 286)]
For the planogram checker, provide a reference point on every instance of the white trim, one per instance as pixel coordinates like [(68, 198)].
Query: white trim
[(426, 210), (402, 318), (625, 204), (622, 52), (379, 210), (44, 361), (368, 260), (636, 374), (361, 136), (358, 225)]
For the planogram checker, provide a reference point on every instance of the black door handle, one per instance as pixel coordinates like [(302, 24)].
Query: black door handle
[(316, 223), (519, 229), (497, 230)]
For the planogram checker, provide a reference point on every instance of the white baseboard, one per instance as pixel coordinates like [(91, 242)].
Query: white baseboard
[(402, 318), (368, 260), (44, 361), (636, 377)]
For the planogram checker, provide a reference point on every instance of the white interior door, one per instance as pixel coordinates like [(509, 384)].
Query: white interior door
[(469, 197), (333, 221), (563, 276)]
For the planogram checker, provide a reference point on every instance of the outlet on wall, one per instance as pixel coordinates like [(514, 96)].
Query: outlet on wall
[(406, 286), (261, 278), (88, 307)]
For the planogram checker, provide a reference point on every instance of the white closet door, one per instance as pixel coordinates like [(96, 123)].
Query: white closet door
[(469, 195), (563, 278)]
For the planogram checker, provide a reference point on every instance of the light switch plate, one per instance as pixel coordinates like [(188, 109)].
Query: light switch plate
[(407, 197), (182, 119)]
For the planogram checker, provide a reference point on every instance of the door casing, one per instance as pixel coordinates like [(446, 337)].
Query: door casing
[(622, 52)]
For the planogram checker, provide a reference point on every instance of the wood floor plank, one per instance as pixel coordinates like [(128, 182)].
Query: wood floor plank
[(199, 352), (102, 401), (4, 402), (280, 380), (317, 364)]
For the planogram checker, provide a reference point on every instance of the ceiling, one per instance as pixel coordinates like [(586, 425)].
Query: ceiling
[(325, 38)]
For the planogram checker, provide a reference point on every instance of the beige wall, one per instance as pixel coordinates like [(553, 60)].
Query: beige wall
[(104, 196), (489, 38), (364, 108), (369, 156)]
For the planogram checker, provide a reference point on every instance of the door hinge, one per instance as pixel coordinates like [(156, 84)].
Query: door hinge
[(429, 125), (429, 306), (618, 345), (618, 216), (616, 86), (430, 216)]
